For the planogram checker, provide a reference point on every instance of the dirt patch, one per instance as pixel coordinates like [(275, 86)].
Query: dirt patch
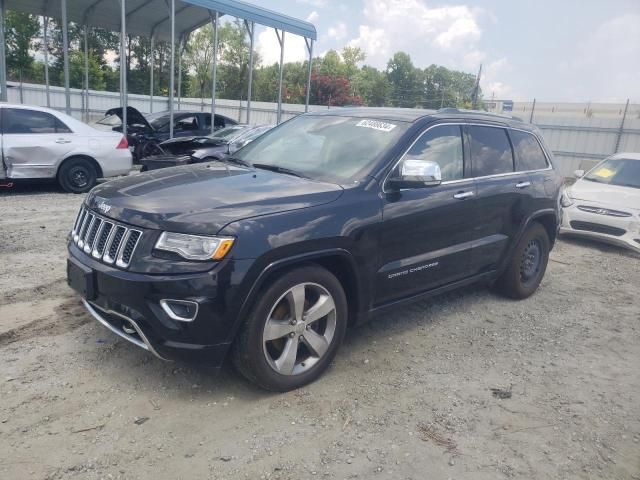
[(409, 395)]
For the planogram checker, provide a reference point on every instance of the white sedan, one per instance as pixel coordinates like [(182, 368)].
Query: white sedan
[(604, 204), (44, 143)]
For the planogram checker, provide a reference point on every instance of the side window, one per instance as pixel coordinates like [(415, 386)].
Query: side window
[(22, 121), (443, 145), (187, 123), (529, 154), (490, 151), (61, 127), (219, 122)]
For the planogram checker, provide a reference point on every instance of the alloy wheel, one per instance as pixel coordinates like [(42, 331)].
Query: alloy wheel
[(299, 329)]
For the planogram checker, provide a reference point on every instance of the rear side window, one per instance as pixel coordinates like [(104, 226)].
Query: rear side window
[(21, 121), (529, 154), (490, 151), (443, 145)]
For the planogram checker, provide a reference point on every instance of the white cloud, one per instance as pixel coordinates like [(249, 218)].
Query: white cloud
[(337, 31), (313, 17), (315, 3), (609, 61), (447, 32), (268, 46)]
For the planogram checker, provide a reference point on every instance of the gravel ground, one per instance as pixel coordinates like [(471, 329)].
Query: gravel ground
[(409, 396)]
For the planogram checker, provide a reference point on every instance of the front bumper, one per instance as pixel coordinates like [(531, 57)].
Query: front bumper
[(129, 305), (620, 231)]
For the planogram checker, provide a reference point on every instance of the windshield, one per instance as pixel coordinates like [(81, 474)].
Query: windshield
[(157, 120), (228, 132), (621, 172), (325, 147)]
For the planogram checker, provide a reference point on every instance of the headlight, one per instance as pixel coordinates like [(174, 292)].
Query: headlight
[(195, 247), (565, 199)]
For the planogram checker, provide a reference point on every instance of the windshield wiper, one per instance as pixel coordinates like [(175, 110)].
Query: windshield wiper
[(275, 168), (235, 160)]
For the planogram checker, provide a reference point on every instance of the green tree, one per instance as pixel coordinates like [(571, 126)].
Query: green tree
[(404, 80), (21, 32), (352, 56), (372, 86)]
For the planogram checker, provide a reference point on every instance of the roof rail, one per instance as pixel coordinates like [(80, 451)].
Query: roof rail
[(476, 112)]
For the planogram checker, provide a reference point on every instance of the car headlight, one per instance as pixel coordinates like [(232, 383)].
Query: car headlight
[(195, 247), (565, 199)]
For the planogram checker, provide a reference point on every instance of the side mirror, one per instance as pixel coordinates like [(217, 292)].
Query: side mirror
[(417, 174), (579, 173)]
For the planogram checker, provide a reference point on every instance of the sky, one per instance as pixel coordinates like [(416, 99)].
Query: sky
[(551, 50)]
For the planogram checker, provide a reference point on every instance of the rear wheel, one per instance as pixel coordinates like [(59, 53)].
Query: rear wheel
[(294, 331), (528, 264), (77, 175)]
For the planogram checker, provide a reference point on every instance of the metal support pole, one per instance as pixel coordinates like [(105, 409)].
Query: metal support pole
[(151, 75), (65, 53), (214, 21), (123, 62), (45, 39), (533, 109), (281, 41), (3, 56), (172, 66), (621, 129), (180, 44), (252, 30), (86, 75), (310, 48)]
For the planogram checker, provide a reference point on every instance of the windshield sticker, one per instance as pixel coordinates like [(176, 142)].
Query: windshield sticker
[(604, 172), (376, 125)]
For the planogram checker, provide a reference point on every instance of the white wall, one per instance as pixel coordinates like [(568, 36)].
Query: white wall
[(579, 134)]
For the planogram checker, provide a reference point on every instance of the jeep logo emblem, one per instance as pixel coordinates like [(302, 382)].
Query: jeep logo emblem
[(103, 207)]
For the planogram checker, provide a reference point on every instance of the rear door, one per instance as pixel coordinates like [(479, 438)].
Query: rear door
[(33, 143), (531, 158), (426, 233), (503, 196)]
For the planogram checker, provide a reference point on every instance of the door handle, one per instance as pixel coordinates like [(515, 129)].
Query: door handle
[(62, 140), (463, 195), (523, 184)]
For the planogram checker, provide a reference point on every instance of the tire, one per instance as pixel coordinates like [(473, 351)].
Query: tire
[(528, 264), (269, 333), (77, 175)]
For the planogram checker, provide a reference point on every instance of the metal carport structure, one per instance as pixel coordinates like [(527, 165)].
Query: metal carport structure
[(158, 20)]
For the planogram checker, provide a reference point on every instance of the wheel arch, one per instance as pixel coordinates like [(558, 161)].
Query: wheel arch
[(338, 261), (548, 218), (82, 156)]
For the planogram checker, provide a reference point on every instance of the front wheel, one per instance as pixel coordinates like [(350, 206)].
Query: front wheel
[(294, 331), (528, 264), (77, 175)]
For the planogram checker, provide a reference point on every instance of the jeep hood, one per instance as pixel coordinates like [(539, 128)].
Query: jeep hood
[(203, 198), (614, 196)]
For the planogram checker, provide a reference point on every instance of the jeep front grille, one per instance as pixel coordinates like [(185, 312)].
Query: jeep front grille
[(104, 239)]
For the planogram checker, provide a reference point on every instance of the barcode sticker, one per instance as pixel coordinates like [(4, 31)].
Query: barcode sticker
[(376, 125)]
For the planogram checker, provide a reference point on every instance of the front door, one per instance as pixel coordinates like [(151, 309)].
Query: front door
[(33, 143), (426, 234)]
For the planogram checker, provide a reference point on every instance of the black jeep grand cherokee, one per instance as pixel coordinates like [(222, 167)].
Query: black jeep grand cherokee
[(320, 223)]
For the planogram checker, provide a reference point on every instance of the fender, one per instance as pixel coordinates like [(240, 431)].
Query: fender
[(531, 218), (283, 263)]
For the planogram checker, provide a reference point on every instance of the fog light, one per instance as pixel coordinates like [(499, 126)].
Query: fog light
[(180, 310)]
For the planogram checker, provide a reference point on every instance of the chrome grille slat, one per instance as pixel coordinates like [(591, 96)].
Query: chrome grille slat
[(103, 232), (88, 223), (104, 239), (81, 217), (93, 232)]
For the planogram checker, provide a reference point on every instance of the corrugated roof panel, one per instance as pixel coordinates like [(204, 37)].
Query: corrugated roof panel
[(147, 15)]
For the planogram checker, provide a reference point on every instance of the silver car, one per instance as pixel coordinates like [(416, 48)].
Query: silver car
[(40, 142)]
